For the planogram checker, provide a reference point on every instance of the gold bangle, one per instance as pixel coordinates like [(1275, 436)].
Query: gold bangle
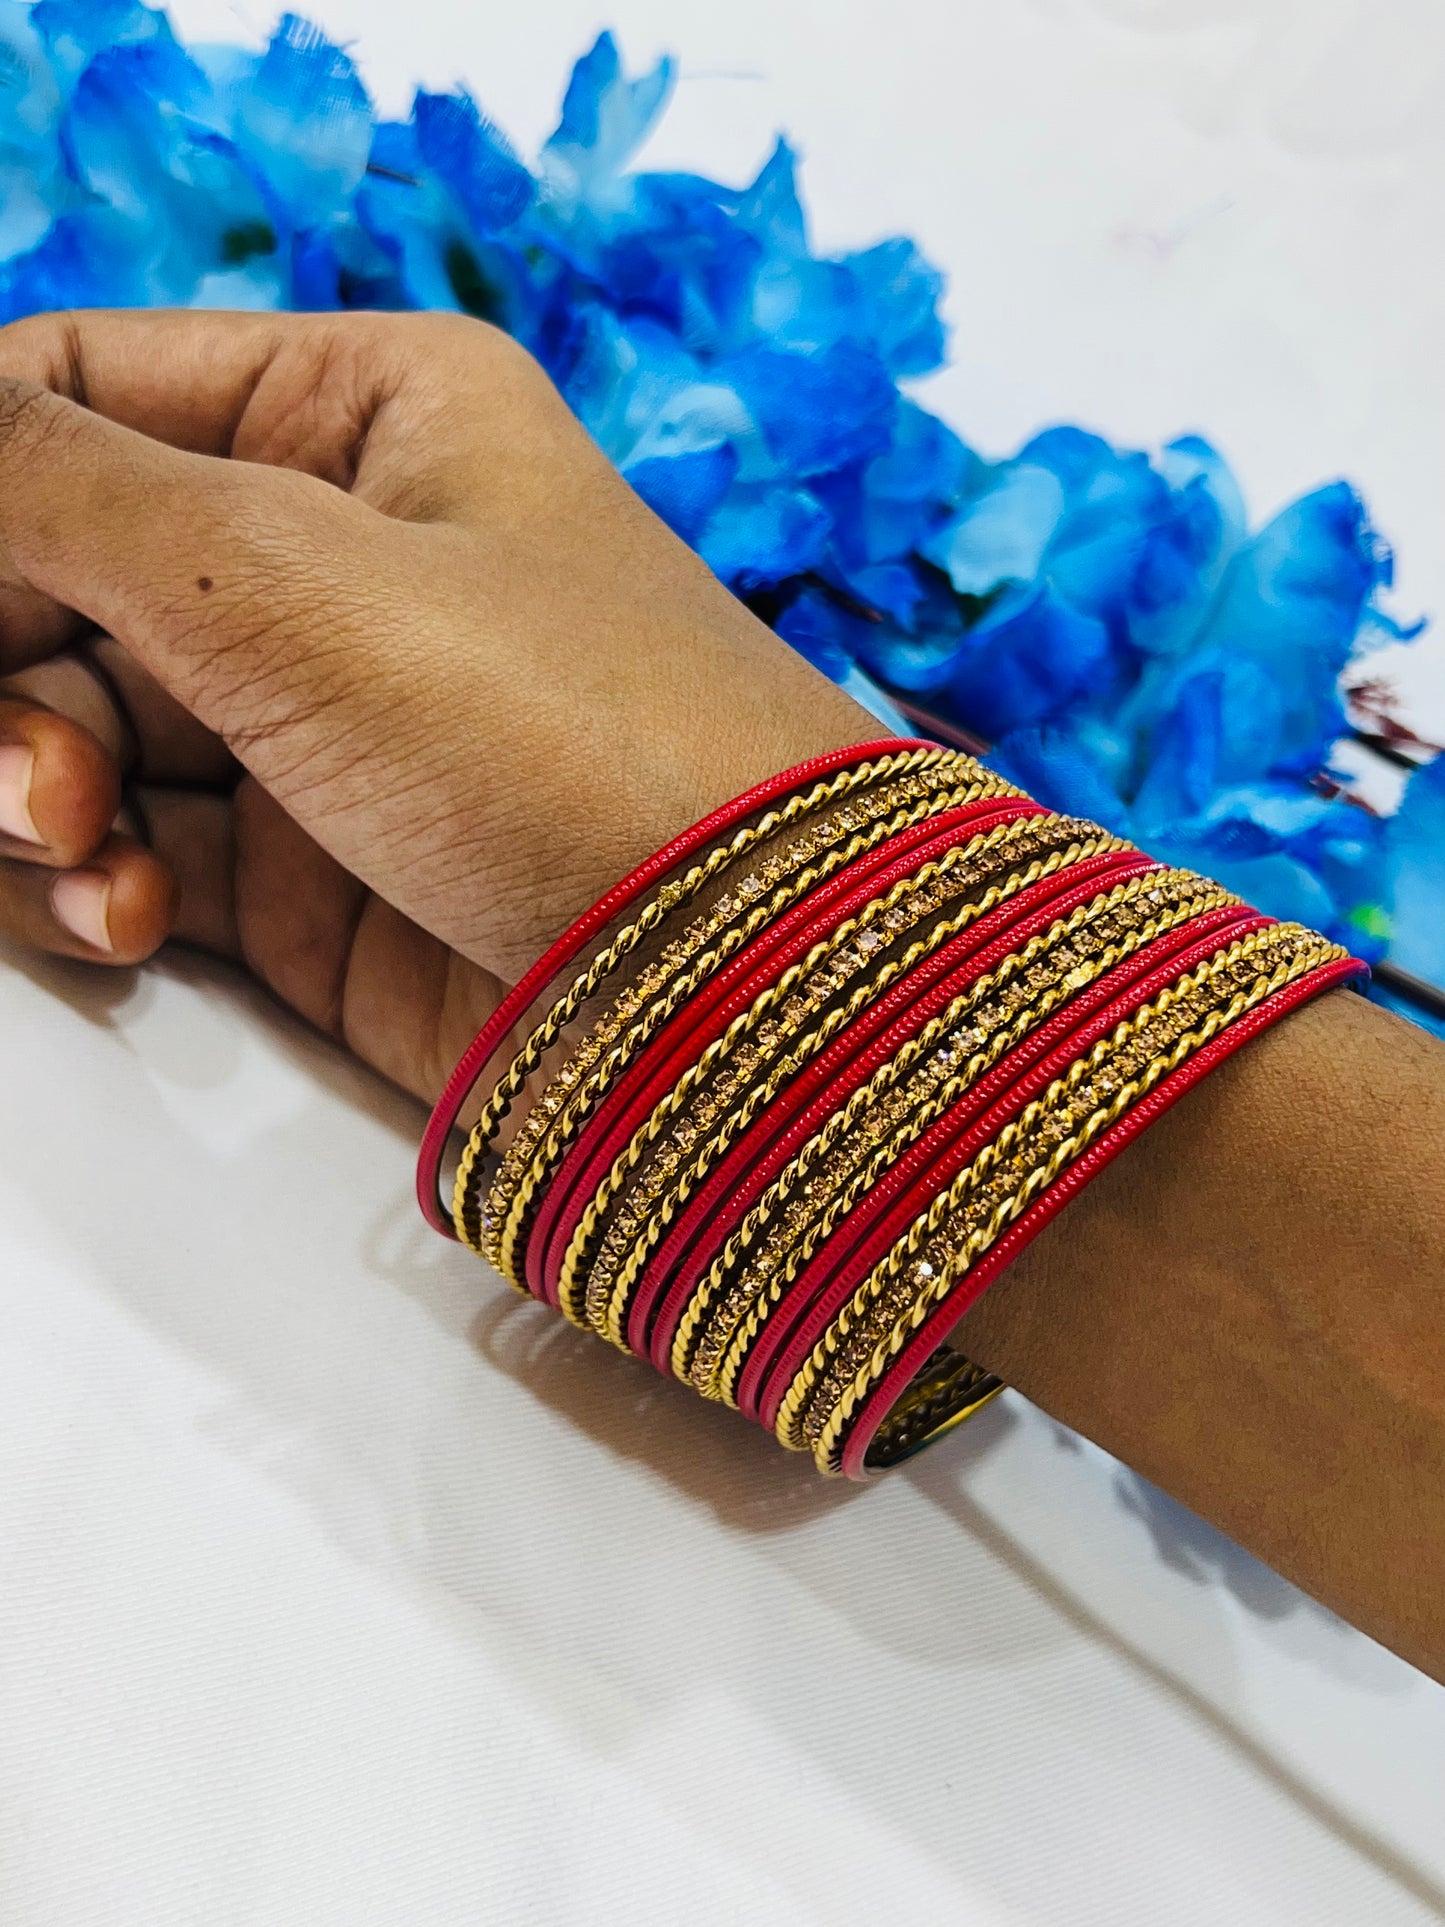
[(948, 1389), (1026, 1157), (665, 986), (917, 764), (760, 1039), (841, 1163)]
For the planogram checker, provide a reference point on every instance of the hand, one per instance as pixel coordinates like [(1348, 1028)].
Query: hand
[(397, 672), (413, 676)]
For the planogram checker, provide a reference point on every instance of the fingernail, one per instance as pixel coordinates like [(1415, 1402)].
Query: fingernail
[(17, 767), (81, 902)]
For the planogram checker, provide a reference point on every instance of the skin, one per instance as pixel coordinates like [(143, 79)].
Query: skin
[(400, 676)]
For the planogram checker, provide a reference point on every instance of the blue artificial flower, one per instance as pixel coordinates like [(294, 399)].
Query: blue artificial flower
[(304, 122), (1103, 617), (33, 184), (605, 119), (1416, 877), (457, 146)]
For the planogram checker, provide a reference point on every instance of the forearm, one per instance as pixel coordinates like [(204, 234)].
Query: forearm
[(1247, 1308)]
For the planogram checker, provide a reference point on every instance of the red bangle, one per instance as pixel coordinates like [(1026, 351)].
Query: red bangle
[(708, 1014), (931, 1335), (549, 967), (851, 1060), (953, 1143)]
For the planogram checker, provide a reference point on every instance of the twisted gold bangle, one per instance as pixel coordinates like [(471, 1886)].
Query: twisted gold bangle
[(1020, 1164), (827, 969), (640, 1011), (842, 1162), (922, 766)]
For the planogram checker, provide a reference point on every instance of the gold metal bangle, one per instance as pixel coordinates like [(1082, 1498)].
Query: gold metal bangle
[(1052, 860), (837, 1168), (665, 986), (948, 1389), (674, 894), (652, 1199), (1019, 1165)]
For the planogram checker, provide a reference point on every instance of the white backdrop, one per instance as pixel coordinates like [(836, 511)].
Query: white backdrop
[(338, 1588)]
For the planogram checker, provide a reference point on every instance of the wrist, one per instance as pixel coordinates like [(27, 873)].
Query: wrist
[(729, 964), (1244, 1309)]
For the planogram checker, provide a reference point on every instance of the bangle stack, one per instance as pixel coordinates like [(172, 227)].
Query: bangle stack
[(835, 1056)]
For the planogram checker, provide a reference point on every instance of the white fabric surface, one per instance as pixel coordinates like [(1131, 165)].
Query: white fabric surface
[(336, 1586)]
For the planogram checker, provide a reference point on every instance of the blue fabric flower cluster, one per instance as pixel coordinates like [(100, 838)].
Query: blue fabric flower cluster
[(1107, 622)]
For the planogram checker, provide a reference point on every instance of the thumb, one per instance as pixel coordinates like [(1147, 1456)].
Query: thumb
[(211, 572)]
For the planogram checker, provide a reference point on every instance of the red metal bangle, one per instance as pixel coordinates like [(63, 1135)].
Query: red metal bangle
[(934, 1331), (710, 1218), (707, 1015), (548, 967), (931, 1165)]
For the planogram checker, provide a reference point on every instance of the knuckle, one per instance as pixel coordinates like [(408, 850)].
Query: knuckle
[(49, 350), (38, 345), (20, 340), (482, 345)]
